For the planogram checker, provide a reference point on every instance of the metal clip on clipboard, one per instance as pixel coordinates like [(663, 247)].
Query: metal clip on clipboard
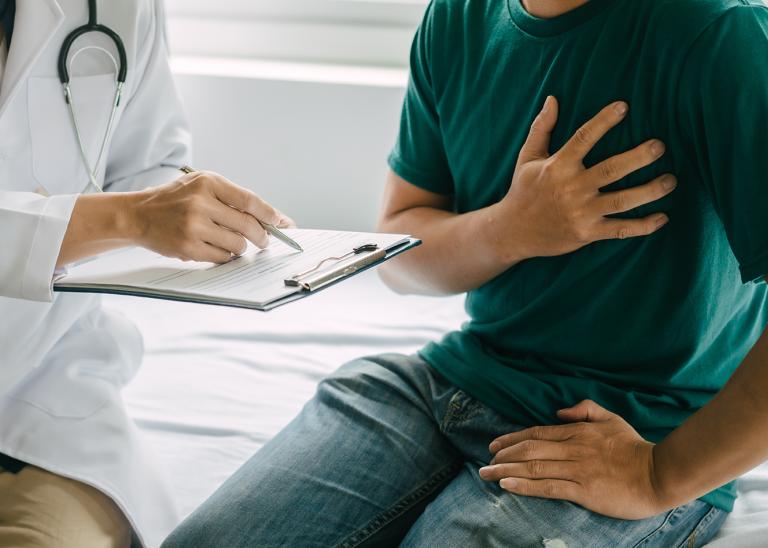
[(316, 278)]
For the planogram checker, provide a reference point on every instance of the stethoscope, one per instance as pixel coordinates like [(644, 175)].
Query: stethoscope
[(120, 73)]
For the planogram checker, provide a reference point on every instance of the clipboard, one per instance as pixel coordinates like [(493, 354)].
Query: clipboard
[(258, 280), (326, 279)]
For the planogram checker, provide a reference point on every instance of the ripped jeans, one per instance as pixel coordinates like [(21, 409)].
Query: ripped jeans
[(387, 453)]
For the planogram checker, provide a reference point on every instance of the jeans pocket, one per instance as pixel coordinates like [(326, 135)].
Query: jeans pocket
[(706, 529), (461, 408), (652, 538), (693, 522)]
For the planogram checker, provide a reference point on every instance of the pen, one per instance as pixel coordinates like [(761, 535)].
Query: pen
[(272, 229)]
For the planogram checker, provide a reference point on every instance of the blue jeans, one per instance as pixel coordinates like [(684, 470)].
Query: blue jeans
[(386, 454)]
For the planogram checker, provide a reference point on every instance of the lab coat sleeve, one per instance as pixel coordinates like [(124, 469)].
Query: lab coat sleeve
[(152, 140), (33, 227)]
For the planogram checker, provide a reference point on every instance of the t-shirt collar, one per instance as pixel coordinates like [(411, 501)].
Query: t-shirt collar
[(556, 25)]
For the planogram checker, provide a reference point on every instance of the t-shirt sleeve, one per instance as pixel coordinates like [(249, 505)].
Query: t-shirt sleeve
[(419, 155), (724, 105)]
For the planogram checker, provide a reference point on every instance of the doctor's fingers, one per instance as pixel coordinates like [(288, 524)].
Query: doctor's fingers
[(285, 221), (211, 254), (240, 222), (243, 199), (203, 252), (223, 238)]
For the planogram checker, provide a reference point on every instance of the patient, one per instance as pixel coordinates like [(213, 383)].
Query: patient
[(606, 371)]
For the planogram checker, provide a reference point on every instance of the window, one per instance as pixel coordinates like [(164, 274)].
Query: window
[(375, 33)]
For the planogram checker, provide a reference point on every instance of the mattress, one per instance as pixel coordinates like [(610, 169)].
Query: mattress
[(217, 383)]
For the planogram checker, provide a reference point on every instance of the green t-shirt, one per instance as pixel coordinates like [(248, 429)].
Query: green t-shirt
[(650, 328)]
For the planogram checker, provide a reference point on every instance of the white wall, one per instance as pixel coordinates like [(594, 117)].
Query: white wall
[(316, 149), (298, 99)]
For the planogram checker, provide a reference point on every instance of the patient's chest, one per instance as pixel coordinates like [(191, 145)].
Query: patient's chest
[(486, 105)]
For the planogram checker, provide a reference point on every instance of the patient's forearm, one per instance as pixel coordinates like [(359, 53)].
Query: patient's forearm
[(460, 251), (723, 440)]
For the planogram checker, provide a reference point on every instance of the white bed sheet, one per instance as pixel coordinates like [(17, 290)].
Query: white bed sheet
[(219, 382)]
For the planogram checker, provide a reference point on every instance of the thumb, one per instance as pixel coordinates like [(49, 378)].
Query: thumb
[(586, 411), (536, 147)]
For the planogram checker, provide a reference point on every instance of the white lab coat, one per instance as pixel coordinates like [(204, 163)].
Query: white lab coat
[(63, 359)]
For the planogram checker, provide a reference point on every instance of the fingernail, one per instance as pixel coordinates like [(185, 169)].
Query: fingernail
[(547, 105), (658, 148), (621, 108), (508, 483), (661, 221), (494, 447), (669, 183)]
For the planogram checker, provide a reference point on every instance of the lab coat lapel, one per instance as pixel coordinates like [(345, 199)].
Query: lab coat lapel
[(36, 23)]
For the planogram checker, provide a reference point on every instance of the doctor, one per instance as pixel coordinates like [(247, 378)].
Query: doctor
[(73, 469)]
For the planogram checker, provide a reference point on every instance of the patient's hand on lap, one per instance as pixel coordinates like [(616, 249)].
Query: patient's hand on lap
[(597, 461)]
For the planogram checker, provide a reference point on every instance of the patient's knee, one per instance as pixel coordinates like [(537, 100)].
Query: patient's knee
[(187, 535)]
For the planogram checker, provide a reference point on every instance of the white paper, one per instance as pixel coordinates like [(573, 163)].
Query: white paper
[(256, 277)]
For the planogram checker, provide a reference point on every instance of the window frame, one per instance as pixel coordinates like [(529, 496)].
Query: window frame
[(347, 32)]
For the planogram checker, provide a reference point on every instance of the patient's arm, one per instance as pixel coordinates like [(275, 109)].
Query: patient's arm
[(451, 242), (554, 206), (602, 463), (726, 438)]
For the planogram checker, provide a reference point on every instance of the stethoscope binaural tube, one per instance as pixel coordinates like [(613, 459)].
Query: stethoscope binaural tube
[(121, 71)]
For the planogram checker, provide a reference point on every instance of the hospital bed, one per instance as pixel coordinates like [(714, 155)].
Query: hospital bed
[(217, 383)]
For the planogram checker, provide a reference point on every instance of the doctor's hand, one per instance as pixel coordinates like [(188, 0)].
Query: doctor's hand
[(202, 217), (597, 461), (555, 204)]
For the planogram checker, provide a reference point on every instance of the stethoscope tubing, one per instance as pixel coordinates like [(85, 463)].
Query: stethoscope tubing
[(121, 72), (92, 26)]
